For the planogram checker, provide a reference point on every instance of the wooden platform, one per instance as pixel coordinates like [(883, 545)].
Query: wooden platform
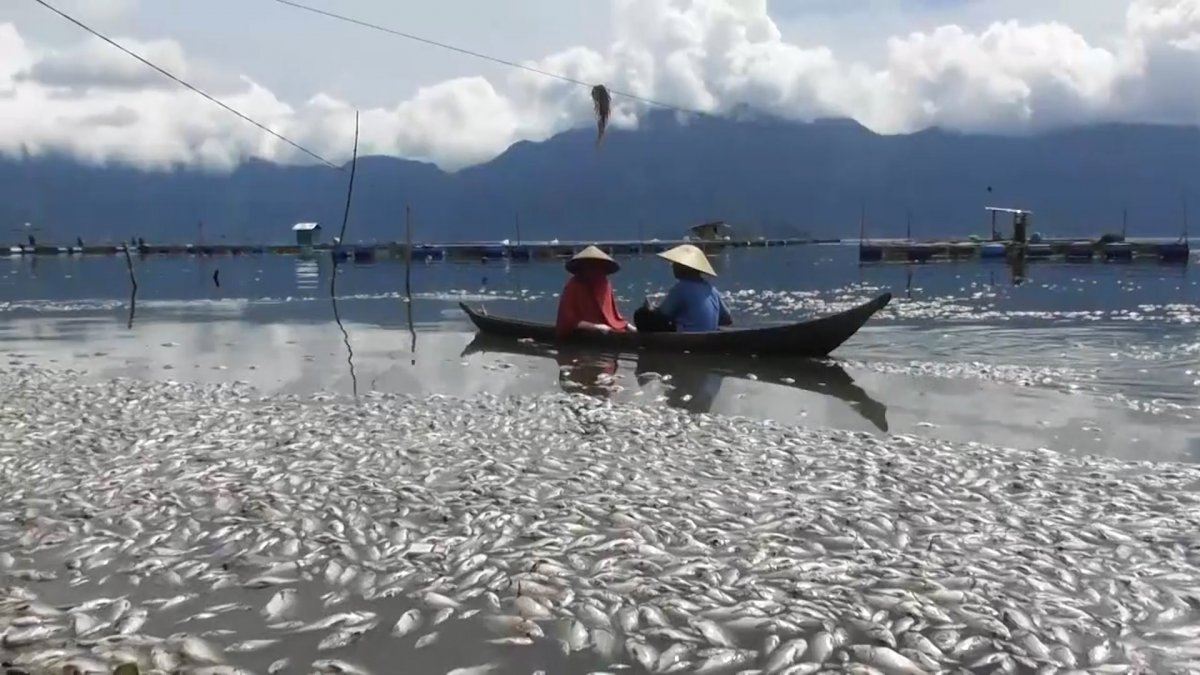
[(1072, 250), (420, 251)]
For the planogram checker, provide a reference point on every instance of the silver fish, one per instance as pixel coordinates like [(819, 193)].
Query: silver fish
[(407, 623), (280, 605)]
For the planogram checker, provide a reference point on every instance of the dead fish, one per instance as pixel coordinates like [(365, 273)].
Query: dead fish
[(343, 637), (712, 632), (251, 645), (280, 605), (576, 636), (268, 581), (922, 659), (785, 655), (529, 607), (592, 617), (84, 624), (133, 622), (441, 615), (885, 659), (407, 623), (806, 668), (604, 643), (722, 660), (513, 626), (627, 620), (475, 670), (439, 601), (23, 637), (510, 641), (347, 618), (641, 652), (1099, 654), (821, 647), (426, 640), (195, 649), (337, 667), (672, 656)]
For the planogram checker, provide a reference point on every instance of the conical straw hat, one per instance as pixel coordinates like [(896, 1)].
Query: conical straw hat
[(689, 255), (592, 253)]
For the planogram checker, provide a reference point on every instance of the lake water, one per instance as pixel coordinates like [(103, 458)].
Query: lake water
[(1093, 358)]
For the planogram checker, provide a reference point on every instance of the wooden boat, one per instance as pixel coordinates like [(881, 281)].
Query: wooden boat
[(815, 338), (691, 374)]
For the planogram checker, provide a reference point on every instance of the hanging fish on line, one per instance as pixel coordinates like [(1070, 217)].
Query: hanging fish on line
[(602, 101)]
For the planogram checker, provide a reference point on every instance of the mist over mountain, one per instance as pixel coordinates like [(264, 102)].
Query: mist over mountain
[(765, 175)]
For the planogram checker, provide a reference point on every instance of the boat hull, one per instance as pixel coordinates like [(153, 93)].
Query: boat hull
[(815, 338)]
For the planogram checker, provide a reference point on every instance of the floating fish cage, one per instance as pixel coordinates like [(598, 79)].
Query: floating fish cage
[(868, 253), (428, 253), (1066, 250), (1175, 252), (1118, 252), (1080, 251), (364, 254), (472, 251), (358, 254), (993, 250)]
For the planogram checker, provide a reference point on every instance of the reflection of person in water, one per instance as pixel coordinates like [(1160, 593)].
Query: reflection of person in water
[(586, 373), (691, 389)]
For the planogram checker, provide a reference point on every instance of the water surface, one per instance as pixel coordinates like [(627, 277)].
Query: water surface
[(1101, 358)]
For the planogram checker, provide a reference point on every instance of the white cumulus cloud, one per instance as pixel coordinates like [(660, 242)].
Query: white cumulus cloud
[(97, 104)]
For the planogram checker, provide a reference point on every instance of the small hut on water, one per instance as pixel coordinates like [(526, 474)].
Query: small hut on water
[(710, 231), (307, 234)]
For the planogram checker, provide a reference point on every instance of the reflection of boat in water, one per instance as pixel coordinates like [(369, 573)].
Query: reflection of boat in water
[(693, 379)]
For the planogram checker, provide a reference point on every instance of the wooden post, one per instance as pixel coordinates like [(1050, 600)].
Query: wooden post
[(408, 279), (346, 214), (862, 224), (517, 219), (908, 230), (408, 253), (337, 318), (1185, 218), (133, 284)]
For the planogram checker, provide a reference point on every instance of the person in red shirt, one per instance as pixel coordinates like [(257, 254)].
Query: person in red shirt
[(587, 301)]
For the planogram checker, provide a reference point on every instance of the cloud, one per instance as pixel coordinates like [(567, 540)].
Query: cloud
[(711, 55), (95, 64)]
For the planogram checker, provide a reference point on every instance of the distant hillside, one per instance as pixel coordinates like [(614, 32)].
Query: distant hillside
[(769, 176)]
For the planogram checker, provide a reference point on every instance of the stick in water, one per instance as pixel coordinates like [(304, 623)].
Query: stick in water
[(408, 279), (133, 283), (333, 255)]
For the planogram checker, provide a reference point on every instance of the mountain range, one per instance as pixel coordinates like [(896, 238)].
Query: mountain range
[(763, 175)]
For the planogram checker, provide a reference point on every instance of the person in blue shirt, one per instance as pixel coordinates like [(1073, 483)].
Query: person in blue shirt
[(693, 304)]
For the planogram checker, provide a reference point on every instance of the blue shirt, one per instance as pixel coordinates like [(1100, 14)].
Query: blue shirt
[(694, 306)]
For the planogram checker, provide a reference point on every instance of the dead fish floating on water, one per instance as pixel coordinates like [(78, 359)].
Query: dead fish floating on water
[(239, 526)]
